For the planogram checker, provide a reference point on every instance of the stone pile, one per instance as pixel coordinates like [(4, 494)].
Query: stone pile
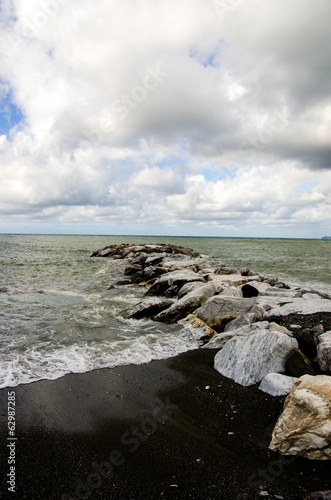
[(235, 311)]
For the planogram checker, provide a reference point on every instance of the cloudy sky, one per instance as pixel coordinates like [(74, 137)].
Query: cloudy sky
[(175, 117)]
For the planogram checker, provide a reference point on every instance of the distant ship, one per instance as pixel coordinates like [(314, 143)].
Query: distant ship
[(326, 238)]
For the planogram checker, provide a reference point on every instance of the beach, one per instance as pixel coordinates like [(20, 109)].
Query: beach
[(172, 428)]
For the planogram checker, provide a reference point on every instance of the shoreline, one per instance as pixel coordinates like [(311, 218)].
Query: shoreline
[(172, 428)]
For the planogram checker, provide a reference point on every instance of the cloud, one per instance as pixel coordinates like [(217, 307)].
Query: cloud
[(163, 113)]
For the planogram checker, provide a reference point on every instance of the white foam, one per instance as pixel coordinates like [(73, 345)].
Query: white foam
[(47, 361)]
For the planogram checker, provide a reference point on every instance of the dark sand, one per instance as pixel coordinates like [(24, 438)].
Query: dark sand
[(167, 435)]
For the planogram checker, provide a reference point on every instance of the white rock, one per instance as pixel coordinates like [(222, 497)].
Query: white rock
[(220, 339), (324, 351), (247, 360), (304, 427), (277, 384), (308, 304)]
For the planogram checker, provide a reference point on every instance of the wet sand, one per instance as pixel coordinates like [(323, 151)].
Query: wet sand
[(170, 429)]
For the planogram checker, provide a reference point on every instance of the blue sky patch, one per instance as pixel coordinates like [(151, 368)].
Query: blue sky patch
[(305, 187), (10, 114), (207, 59)]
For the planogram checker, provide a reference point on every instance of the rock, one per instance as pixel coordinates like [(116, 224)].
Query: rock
[(148, 307), (187, 304), (124, 250), (247, 360), (298, 364), (188, 287), (232, 291), (243, 320), (179, 266), (278, 328), (304, 427), (277, 384), (219, 323), (319, 495), (221, 339), (220, 306), (254, 288), (207, 332), (121, 283), (317, 330), (133, 269), (307, 343), (324, 351), (154, 259), (308, 304), (3, 289), (176, 278)]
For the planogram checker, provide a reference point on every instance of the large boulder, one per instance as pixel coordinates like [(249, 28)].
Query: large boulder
[(304, 427), (324, 351), (221, 305), (277, 384), (184, 306), (219, 341), (247, 360), (148, 307)]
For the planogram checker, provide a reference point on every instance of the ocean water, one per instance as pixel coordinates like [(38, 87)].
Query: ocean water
[(57, 315)]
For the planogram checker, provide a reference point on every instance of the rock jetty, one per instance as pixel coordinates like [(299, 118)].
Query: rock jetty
[(266, 332)]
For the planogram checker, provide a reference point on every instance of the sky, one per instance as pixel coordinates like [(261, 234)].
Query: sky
[(166, 117)]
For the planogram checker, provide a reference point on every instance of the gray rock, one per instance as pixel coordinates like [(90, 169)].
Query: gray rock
[(188, 287), (175, 278), (232, 291), (324, 351), (243, 320), (277, 384), (187, 304), (247, 360), (220, 306), (154, 259), (148, 307)]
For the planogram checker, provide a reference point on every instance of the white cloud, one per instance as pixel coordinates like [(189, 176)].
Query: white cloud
[(136, 112)]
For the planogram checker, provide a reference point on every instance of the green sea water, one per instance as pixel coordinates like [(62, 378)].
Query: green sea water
[(58, 316)]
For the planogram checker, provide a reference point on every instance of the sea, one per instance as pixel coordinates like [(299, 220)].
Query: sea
[(57, 315)]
